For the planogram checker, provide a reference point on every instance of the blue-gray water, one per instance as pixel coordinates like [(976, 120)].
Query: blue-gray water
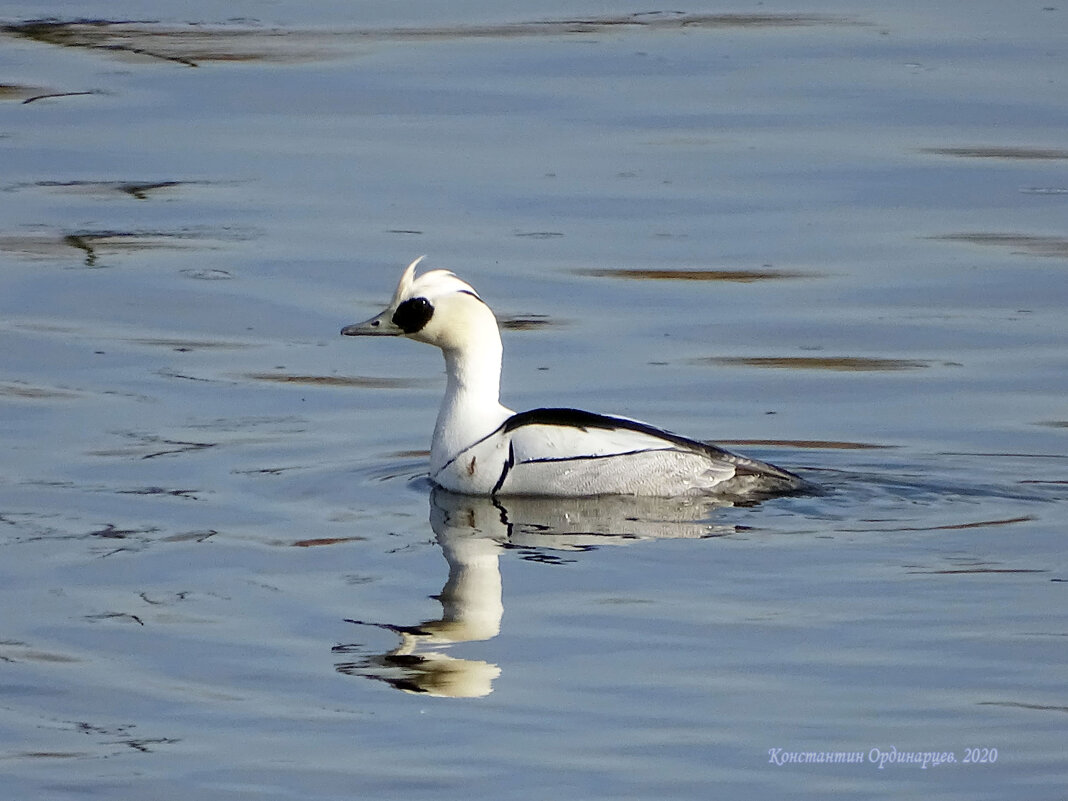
[(830, 235)]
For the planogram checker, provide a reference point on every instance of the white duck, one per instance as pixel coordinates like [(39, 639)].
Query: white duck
[(483, 448)]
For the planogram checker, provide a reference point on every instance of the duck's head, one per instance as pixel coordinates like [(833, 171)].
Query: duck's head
[(435, 307)]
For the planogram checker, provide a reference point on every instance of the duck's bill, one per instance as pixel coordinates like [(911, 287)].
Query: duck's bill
[(380, 325)]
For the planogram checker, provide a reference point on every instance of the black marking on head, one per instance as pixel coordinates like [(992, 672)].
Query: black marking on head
[(413, 314)]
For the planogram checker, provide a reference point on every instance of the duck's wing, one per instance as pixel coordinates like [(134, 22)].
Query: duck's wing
[(561, 450), (544, 434)]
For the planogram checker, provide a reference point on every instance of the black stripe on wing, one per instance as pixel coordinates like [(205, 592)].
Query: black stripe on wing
[(590, 457), (577, 418)]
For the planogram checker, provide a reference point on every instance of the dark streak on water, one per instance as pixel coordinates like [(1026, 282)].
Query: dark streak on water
[(993, 152), (11, 91), (194, 44), (846, 363), (740, 276), (1031, 244), (526, 322), (338, 381), (97, 244), (816, 444), (141, 190)]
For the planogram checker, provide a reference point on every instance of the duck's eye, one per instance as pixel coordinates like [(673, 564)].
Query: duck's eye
[(413, 314)]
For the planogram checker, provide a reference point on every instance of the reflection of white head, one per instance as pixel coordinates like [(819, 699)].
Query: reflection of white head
[(445, 676)]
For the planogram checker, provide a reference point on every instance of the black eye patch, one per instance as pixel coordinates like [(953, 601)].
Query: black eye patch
[(413, 314)]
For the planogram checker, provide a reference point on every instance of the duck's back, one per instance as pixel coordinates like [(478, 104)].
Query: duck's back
[(568, 452)]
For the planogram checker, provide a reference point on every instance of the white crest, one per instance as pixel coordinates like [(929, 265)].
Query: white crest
[(404, 287)]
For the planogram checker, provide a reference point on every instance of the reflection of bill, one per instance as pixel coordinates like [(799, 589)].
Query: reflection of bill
[(472, 532)]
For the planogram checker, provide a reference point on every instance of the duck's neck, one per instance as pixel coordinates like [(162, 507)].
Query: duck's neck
[(471, 408)]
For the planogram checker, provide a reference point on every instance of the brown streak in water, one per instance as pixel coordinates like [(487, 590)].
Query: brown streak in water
[(113, 532), (1019, 705), (31, 655), (983, 523), (960, 571), (737, 276), (337, 381), (1017, 455), (846, 363), (1027, 244), (325, 541), (994, 152), (179, 447), (10, 91), (174, 493), (189, 45), (54, 754), (527, 322), (266, 471), (951, 527), (822, 444), (116, 616), (137, 189), (184, 377), (14, 91), (648, 20), (191, 536), (188, 344), (156, 446), (53, 95), (91, 243), (14, 389)]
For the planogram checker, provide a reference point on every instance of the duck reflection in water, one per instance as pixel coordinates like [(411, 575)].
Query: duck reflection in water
[(472, 533)]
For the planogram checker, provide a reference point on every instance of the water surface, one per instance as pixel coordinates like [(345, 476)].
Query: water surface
[(830, 236)]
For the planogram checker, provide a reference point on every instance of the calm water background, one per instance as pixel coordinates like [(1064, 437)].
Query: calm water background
[(833, 234)]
